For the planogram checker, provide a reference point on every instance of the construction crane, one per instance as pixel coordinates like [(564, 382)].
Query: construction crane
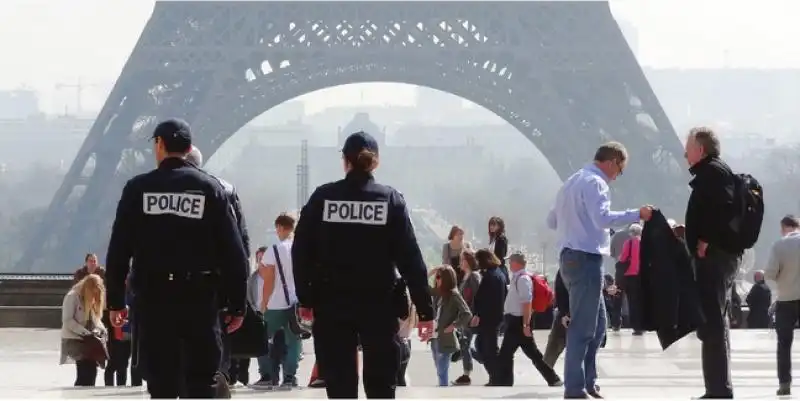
[(78, 87)]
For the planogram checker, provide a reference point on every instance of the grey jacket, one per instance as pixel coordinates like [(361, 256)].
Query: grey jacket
[(469, 287), (784, 267), (453, 311)]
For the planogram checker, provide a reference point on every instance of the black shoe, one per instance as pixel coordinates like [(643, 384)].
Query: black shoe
[(784, 390), (243, 378), (638, 333), (265, 382), (462, 380), (594, 394), (556, 383), (714, 397)]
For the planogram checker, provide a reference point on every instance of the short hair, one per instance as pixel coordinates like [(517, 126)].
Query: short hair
[(518, 257), (790, 221), (611, 151), (262, 249), (285, 221), (195, 156), (635, 229), (707, 138), (453, 231)]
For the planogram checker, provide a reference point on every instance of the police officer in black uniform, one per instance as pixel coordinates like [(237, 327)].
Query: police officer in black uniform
[(350, 237), (234, 369), (177, 226)]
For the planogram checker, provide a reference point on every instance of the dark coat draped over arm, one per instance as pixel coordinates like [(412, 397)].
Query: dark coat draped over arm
[(670, 305)]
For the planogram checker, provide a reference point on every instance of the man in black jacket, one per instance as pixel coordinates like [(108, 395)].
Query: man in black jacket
[(759, 299), (711, 242)]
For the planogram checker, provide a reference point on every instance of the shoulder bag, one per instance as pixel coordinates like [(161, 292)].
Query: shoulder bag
[(295, 322)]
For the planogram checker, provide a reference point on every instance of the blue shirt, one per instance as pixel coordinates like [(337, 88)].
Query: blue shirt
[(583, 215), (519, 292)]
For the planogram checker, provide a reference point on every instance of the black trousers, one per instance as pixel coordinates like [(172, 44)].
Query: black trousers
[(715, 279), (556, 341), (179, 342), (405, 358), (486, 344), (339, 324), (119, 353), (786, 317), (513, 339), (633, 290), (614, 310), (86, 373), (240, 370)]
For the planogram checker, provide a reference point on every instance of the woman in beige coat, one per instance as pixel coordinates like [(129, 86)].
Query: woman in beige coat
[(81, 316)]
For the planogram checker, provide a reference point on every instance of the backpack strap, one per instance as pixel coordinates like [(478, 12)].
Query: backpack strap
[(280, 272)]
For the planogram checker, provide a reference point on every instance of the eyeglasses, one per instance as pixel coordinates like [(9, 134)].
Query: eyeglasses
[(619, 166)]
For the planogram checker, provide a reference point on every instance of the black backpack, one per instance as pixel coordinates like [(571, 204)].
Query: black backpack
[(748, 202)]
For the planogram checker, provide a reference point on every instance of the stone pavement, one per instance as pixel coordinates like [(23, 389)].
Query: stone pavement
[(630, 367)]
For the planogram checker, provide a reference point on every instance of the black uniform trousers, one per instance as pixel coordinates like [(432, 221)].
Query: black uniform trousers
[(515, 338), (786, 317), (715, 278), (339, 324), (116, 372), (234, 369), (179, 339)]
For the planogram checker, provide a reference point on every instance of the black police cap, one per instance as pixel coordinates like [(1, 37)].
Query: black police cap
[(176, 134), (359, 141)]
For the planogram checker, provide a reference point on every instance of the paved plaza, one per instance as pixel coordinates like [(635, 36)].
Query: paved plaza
[(630, 367)]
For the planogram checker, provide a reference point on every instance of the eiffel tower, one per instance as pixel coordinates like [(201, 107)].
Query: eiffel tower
[(560, 72)]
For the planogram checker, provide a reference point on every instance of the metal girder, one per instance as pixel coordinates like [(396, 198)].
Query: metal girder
[(559, 72)]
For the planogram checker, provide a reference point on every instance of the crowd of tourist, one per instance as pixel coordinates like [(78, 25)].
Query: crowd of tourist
[(484, 294)]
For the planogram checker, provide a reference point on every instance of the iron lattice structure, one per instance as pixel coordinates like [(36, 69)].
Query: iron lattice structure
[(560, 72)]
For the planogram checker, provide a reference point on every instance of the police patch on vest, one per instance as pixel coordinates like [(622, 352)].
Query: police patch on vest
[(179, 204), (372, 213)]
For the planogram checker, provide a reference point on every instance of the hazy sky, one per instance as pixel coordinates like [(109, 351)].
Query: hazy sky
[(45, 42)]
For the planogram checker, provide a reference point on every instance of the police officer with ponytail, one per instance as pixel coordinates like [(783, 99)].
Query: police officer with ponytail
[(351, 235), (176, 231)]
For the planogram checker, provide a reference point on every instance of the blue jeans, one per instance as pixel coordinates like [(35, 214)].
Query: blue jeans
[(442, 362), (583, 276), (466, 345)]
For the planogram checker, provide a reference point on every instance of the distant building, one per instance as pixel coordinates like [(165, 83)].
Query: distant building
[(19, 104), (437, 106), (362, 122), (747, 100), (455, 161)]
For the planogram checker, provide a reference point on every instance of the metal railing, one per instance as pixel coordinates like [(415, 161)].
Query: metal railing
[(35, 277)]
